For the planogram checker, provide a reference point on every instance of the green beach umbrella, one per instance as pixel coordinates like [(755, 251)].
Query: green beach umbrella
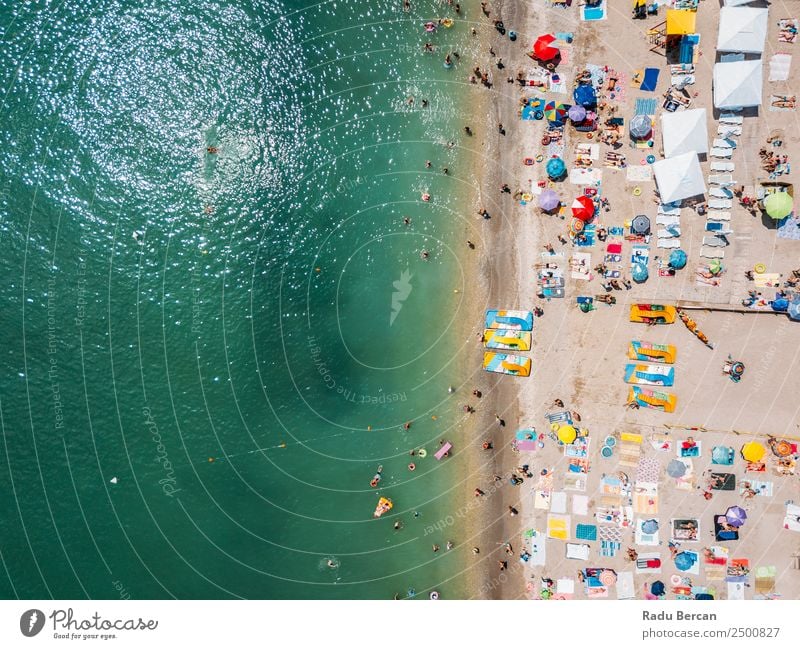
[(779, 205)]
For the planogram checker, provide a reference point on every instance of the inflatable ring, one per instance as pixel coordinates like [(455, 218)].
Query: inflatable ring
[(546, 140), (527, 161), (760, 268), (537, 115), (422, 452), (447, 65), (637, 191), (589, 136), (412, 466), (643, 161), (539, 158), (783, 448), (527, 197), (676, 580), (434, 594), (651, 159), (554, 426), (447, 22)]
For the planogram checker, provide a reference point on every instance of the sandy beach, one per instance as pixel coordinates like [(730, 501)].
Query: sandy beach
[(579, 357)]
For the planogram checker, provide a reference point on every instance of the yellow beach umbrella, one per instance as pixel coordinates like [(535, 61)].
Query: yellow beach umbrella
[(753, 451), (567, 434)]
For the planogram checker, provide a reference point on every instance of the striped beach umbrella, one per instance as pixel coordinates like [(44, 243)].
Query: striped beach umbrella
[(555, 112)]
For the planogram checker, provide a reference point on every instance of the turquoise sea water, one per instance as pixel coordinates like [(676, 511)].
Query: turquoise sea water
[(262, 305)]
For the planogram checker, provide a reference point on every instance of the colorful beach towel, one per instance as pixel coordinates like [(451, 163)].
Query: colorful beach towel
[(558, 527), (645, 106)]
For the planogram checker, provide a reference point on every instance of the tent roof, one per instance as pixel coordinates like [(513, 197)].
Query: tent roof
[(679, 177), (737, 84), (742, 29), (684, 131), (681, 21)]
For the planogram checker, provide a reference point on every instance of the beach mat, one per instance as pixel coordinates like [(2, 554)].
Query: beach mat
[(645, 106), (650, 80)]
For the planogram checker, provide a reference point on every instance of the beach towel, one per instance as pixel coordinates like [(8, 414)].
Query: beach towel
[(650, 80), (735, 591), (575, 482), (609, 534), (738, 570), (779, 66), (620, 516), (565, 588), (558, 527), (625, 587), (761, 487), (585, 532), (645, 106), (609, 548), (582, 176), (541, 500), (647, 472), (581, 265), (789, 228), (558, 502), (538, 549), (594, 13), (645, 499), (648, 563), (645, 538), (639, 173), (782, 103), (580, 505), (765, 579)]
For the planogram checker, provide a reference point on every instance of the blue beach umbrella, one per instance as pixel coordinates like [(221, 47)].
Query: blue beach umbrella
[(584, 95), (650, 526), (556, 168), (794, 308), (676, 469), (736, 516), (657, 588), (677, 258), (639, 273), (684, 561), (780, 304)]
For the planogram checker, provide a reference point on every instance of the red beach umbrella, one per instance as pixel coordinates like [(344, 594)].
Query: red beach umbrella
[(583, 208), (543, 49)]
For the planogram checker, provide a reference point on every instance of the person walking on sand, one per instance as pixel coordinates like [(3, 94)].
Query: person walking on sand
[(512, 511), (468, 131), (485, 9), (470, 245), (501, 129), (558, 403), (478, 492), (499, 420)]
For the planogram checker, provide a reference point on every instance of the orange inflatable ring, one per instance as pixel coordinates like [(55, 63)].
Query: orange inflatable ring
[(782, 449), (589, 136), (412, 466)]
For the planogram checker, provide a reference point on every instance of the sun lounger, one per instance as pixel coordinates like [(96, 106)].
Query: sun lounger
[(667, 219), (722, 166), (728, 130), (731, 119), (718, 228), (724, 143), (669, 243), (721, 179), (720, 204), (719, 216), (668, 209), (720, 192), (719, 152), (712, 253), (715, 242)]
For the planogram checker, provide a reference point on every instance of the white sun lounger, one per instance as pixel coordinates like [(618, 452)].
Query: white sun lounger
[(721, 179), (731, 119), (715, 242), (669, 243), (674, 233), (718, 152), (712, 253), (727, 130), (720, 192), (722, 166), (719, 216), (668, 219), (724, 143), (718, 229), (720, 204)]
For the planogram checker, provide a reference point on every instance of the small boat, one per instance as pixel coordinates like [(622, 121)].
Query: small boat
[(507, 364), (653, 313), (507, 339), (384, 505)]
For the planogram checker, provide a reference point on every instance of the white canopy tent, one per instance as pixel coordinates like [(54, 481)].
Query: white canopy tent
[(742, 29), (684, 131), (738, 3), (679, 177), (737, 84)]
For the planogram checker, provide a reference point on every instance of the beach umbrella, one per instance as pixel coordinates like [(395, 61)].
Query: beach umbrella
[(555, 112), (585, 96), (639, 273), (780, 304), (549, 200), (684, 561), (543, 48), (650, 526), (677, 259), (583, 208), (782, 448), (567, 434), (641, 127), (576, 113), (778, 205), (753, 451), (657, 588), (736, 516), (640, 224), (721, 454), (556, 168), (794, 307), (676, 469)]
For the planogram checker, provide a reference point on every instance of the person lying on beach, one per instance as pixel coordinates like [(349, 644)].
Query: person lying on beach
[(784, 101)]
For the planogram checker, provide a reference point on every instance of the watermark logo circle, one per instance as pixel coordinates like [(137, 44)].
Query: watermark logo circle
[(31, 622)]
